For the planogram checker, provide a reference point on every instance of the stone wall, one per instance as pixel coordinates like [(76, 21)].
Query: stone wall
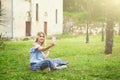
[(74, 27)]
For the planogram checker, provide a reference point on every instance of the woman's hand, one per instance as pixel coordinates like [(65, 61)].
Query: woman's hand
[(53, 41)]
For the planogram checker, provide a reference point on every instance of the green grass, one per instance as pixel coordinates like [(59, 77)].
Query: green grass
[(86, 61)]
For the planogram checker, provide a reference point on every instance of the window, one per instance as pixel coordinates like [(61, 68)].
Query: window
[(56, 15), (36, 12)]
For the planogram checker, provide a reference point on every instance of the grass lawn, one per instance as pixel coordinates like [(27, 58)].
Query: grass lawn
[(86, 61)]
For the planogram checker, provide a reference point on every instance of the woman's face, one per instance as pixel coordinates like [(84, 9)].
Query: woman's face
[(41, 38)]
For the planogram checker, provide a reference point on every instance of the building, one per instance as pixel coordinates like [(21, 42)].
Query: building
[(27, 17)]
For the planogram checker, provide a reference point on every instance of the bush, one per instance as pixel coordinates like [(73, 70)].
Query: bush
[(26, 39)]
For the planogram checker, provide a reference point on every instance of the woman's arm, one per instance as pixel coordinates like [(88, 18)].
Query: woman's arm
[(46, 48)]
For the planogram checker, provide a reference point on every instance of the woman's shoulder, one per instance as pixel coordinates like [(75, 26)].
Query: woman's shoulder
[(34, 47), (35, 44)]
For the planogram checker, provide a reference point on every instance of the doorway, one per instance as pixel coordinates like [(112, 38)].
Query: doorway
[(28, 24), (45, 28)]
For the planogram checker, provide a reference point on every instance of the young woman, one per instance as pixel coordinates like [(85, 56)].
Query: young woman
[(40, 60)]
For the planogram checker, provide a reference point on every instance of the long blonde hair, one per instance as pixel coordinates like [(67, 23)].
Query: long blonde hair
[(38, 35)]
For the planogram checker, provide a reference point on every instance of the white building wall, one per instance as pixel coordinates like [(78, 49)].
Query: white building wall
[(6, 28), (35, 25), (58, 28), (15, 25), (20, 8), (49, 7)]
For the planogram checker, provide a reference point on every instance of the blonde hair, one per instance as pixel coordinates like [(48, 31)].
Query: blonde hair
[(38, 35)]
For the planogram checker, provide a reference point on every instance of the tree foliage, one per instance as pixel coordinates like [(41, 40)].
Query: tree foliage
[(96, 8)]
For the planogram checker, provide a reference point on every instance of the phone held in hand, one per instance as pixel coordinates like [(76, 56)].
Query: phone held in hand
[(54, 39)]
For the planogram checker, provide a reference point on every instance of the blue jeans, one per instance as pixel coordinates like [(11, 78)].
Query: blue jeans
[(42, 65)]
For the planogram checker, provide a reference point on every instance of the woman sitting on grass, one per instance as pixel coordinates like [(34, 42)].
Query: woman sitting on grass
[(40, 60)]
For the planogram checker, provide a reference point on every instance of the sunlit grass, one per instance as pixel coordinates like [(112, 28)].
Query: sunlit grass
[(86, 61)]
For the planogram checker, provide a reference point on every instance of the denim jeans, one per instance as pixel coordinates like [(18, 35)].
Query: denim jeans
[(42, 65)]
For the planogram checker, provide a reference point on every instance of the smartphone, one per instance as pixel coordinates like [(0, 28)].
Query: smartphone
[(54, 39)]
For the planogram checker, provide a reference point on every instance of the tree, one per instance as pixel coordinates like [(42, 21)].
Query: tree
[(109, 34), (88, 9), (111, 7)]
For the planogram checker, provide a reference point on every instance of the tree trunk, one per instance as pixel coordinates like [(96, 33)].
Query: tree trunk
[(87, 33), (119, 30), (109, 35), (103, 32)]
